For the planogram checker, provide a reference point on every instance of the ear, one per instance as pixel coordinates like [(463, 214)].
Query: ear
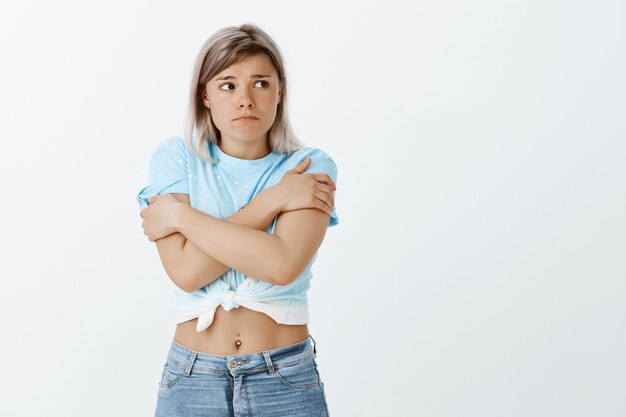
[(205, 99)]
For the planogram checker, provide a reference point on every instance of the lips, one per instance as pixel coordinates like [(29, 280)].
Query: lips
[(247, 118)]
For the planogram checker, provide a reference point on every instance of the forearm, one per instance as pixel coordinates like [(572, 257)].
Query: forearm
[(170, 250), (200, 268), (226, 242)]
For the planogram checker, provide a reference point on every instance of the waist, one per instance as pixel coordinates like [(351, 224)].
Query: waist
[(189, 362), (238, 331)]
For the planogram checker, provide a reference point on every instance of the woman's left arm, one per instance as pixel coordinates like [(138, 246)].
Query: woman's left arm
[(277, 258)]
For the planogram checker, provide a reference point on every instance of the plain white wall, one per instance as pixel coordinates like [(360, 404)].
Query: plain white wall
[(479, 266)]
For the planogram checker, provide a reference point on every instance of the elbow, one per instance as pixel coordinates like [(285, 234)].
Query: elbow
[(187, 284), (282, 275), (288, 274), (182, 281), (188, 288), (283, 268)]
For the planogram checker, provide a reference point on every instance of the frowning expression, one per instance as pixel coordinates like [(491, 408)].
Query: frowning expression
[(249, 87)]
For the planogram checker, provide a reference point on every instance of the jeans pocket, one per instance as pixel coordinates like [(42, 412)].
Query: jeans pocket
[(299, 375), (170, 376)]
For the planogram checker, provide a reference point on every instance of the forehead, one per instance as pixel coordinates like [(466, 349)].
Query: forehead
[(255, 64)]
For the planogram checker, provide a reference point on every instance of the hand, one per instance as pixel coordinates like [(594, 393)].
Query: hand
[(159, 217), (296, 191)]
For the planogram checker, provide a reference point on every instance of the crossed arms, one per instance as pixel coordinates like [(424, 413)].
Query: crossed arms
[(204, 248)]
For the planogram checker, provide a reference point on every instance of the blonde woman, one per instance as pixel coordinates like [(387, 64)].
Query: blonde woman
[(238, 209)]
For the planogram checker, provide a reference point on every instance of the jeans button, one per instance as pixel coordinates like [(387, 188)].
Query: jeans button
[(233, 363)]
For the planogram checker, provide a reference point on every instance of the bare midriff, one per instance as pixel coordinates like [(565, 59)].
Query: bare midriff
[(239, 331)]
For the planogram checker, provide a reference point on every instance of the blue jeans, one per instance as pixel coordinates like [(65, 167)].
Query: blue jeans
[(276, 382)]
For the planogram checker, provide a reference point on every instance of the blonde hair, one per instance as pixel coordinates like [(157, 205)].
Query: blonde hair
[(224, 48)]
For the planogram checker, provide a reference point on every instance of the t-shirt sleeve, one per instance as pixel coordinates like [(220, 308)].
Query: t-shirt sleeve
[(168, 171), (325, 165)]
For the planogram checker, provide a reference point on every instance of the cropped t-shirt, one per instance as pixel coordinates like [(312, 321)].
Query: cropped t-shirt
[(220, 190)]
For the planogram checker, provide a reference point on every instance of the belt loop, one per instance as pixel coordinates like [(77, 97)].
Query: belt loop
[(314, 350), (268, 361), (190, 362)]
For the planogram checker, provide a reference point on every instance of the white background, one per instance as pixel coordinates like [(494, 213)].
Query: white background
[(479, 266)]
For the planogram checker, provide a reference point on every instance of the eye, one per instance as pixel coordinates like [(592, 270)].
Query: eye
[(260, 81)]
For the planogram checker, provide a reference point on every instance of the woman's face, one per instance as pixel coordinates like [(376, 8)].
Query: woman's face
[(248, 87)]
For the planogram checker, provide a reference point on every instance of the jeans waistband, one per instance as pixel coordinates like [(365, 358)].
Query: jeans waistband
[(190, 361)]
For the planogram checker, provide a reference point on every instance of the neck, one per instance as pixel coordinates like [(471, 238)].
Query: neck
[(245, 150)]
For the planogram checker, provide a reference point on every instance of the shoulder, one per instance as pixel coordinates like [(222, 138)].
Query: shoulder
[(318, 157), (171, 150), (175, 144), (170, 154), (321, 162), (314, 153)]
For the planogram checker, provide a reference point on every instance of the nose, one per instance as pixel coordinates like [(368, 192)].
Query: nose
[(245, 100)]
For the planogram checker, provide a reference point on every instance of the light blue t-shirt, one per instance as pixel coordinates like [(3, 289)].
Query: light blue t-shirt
[(219, 190)]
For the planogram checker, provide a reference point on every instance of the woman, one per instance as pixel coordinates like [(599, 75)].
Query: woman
[(237, 223)]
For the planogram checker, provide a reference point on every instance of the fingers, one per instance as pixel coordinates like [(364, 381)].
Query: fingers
[(324, 179), (329, 191), (326, 201), (302, 166)]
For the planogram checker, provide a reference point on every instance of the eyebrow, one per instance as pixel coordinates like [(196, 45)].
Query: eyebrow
[(230, 77)]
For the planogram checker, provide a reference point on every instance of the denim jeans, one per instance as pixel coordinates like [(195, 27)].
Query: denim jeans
[(276, 382)]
